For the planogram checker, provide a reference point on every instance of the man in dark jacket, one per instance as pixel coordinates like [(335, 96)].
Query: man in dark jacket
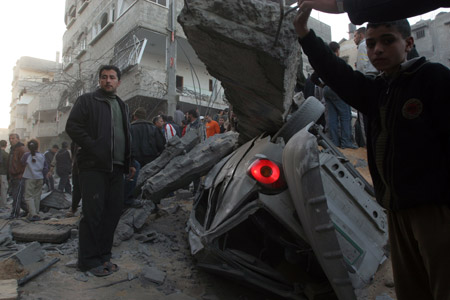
[(408, 146), (99, 124), (15, 172), (147, 142), (63, 163), (361, 11)]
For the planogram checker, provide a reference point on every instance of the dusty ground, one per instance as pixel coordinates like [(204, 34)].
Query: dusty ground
[(168, 252)]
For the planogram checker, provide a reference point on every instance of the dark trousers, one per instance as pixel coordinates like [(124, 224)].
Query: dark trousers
[(17, 191), (50, 182), (64, 183), (76, 191), (420, 247), (102, 206), (130, 185)]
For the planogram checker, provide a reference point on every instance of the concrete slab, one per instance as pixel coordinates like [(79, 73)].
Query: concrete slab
[(8, 289), (154, 275), (44, 233), (30, 254)]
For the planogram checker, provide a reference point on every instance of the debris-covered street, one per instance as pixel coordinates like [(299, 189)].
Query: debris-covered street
[(155, 261)]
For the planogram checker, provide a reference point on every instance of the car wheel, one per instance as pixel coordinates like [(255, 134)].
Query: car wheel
[(310, 111)]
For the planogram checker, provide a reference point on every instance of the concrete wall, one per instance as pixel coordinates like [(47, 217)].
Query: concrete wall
[(435, 44)]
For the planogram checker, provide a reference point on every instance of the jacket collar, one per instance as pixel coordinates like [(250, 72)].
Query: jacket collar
[(408, 67), (100, 95)]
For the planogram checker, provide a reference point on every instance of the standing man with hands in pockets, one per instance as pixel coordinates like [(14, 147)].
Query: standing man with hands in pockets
[(99, 124)]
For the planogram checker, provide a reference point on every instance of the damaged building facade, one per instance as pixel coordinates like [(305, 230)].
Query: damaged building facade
[(142, 38), (35, 100)]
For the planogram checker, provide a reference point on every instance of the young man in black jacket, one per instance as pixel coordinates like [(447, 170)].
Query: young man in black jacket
[(99, 124), (408, 147)]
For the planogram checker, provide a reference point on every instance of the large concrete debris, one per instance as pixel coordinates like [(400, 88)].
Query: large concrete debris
[(30, 254), (38, 231), (132, 220), (175, 147), (236, 41), (8, 289), (55, 199), (183, 169)]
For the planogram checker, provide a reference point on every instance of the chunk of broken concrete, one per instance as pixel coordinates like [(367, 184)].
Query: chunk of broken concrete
[(8, 289), (154, 275), (236, 42), (54, 199), (175, 147), (40, 232), (81, 277), (72, 264), (183, 169), (30, 254)]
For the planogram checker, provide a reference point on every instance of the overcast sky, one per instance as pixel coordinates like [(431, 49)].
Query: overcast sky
[(35, 28)]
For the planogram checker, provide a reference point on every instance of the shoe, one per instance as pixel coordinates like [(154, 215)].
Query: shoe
[(23, 214), (34, 218), (111, 266), (100, 271)]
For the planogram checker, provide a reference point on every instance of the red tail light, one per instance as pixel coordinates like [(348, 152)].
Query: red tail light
[(266, 172)]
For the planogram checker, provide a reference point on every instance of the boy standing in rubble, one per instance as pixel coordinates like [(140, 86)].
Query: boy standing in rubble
[(408, 147)]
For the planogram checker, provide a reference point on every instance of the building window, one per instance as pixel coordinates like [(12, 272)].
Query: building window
[(211, 85), (81, 45), (123, 5), (83, 5), (103, 23), (160, 2), (420, 33), (179, 83), (67, 59), (71, 16)]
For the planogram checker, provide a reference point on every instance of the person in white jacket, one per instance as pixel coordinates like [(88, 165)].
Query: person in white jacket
[(36, 169)]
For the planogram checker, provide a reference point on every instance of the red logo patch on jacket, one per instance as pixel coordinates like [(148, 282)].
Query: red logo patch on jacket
[(412, 108)]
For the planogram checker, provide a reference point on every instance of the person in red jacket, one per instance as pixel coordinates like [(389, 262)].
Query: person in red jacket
[(212, 127)]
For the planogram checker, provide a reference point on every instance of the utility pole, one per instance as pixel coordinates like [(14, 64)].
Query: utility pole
[(171, 56)]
